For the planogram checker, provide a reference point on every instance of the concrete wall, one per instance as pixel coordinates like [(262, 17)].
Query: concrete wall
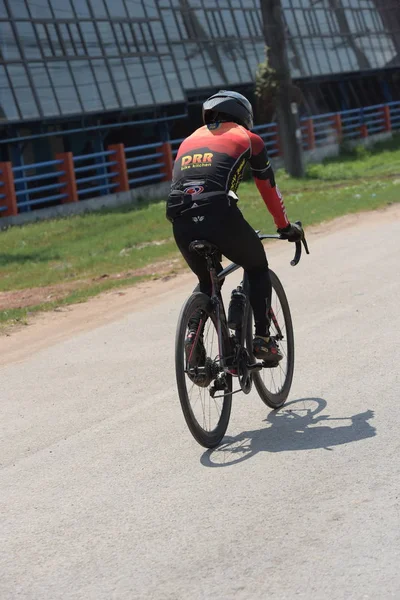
[(160, 190)]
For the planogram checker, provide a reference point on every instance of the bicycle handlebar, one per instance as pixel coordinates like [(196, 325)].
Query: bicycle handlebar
[(299, 244)]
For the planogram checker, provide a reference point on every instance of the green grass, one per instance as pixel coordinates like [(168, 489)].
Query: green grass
[(82, 248), (382, 160)]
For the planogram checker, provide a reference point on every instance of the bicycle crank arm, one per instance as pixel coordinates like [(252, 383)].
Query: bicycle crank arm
[(255, 367), (239, 391)]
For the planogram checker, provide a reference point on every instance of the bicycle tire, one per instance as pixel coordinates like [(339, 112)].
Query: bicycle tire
[(208, 439), (275, 399)]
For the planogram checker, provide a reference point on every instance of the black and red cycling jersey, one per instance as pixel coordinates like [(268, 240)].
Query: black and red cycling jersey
[(213, 158)]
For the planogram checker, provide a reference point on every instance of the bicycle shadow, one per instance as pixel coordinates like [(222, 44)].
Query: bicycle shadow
[(291, 428)]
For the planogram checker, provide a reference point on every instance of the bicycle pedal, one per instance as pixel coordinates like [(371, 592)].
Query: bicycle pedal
[(270, 365)]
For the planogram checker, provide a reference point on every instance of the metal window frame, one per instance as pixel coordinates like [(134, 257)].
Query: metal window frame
[(64, 44), (168, 42), (11, 87), (25, 58), (300, 38), (120, 57), (44, 60), (12, 31), (45, 67)]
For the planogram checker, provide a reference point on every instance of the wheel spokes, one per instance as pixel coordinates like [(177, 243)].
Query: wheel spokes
[(274, 378), (205, 409)]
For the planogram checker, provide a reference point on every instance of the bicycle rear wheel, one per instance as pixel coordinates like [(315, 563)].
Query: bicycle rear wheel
[(206, 417), (273, 384)]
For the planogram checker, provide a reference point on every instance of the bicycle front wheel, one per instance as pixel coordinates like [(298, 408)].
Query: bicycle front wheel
[(273, 384), (198, 369)]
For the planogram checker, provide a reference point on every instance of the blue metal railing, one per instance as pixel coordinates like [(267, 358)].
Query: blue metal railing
[(323, 129), (96, 178), (135, 157), (3, 207), (175, 146), (38, 185), (370, 117), (395, 114), (28, 193), (268, 133)]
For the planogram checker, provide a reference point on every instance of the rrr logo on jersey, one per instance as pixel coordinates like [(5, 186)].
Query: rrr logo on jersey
[(197, 159)]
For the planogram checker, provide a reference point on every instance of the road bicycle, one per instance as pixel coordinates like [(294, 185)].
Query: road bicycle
[(222, 349)]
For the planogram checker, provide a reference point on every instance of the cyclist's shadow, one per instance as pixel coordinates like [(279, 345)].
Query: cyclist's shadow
[(292, 428)]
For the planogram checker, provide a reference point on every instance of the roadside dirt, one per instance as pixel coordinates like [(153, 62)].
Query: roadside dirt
[(48, 328), (40, 295)]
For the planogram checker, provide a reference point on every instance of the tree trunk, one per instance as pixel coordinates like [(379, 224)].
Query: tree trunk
[(286, 106)]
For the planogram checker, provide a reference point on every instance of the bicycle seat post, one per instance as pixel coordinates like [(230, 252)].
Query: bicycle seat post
[(210, 252)]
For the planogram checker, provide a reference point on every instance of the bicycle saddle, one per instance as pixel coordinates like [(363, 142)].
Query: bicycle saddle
[(203, 247)]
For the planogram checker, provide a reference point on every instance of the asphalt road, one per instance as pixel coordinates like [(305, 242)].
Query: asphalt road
[(105, 495)]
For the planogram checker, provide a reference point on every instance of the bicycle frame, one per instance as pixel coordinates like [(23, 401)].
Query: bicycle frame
[(217, 301)]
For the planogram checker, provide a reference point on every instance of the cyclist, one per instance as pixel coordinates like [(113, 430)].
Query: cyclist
[(203, 205)]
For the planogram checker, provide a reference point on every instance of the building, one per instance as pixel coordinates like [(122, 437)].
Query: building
[(73, 71)]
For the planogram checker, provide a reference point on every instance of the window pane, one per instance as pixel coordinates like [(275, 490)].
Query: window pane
[(157, 80), (44, 40), (19, 9), (3, 11), (66, 38), (121, 81), (158, 32), (151, 11), (100, 9), (90, 38), (64, 87), (116, 9), (8, 108), (200, 66), (40, 9), (140, 42), (138, 81), (77, 39), (184, 65), (148, 41), (102, 76), (173, 80), (107, 39), (181, 26), (8, 45), (82, 9), (171, 25), (121, 38), (55, 42), (241, 24), (87, 88), (44, 89), (28, 39), (23, 91), (135, 9), (62, 9), (129, 37)]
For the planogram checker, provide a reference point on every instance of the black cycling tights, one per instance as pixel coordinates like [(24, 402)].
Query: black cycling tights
[(238, 241)]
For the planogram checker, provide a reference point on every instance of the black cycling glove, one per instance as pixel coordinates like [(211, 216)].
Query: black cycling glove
[(293, 232)]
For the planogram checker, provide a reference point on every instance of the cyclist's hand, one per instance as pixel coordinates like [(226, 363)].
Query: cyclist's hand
[(293, 232)]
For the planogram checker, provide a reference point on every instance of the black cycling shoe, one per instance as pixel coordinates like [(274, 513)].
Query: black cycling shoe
[(195, 355), (266, 349)]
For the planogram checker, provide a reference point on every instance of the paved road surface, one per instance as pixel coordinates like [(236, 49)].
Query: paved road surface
[(105, 495)]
